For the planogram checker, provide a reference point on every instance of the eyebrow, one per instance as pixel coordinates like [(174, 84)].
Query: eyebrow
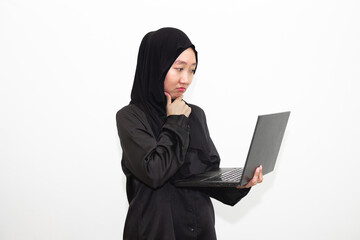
[(183, 62)]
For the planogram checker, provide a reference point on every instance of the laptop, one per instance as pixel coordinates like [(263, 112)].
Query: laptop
[(264, 149)]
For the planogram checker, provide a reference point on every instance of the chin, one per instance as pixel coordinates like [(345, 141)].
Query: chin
[(176, 95)]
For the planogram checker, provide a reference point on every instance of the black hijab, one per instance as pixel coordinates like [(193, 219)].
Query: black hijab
[(158, 51)]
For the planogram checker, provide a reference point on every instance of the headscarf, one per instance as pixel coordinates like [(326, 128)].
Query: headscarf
[(158, 51)]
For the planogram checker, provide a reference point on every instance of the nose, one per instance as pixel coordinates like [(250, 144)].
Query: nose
[(186, 78)]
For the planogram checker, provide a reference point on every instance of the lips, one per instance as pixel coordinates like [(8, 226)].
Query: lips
[(181, 89)]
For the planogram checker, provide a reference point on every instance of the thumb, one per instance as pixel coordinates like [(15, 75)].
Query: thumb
[(168, 98), (179, 98)]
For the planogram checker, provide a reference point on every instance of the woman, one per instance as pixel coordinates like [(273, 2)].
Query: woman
[(163, 139)]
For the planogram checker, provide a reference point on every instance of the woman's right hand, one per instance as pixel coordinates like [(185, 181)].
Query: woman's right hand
[(177, 107)]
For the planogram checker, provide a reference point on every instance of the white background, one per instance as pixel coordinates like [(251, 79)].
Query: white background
[(67, 66)]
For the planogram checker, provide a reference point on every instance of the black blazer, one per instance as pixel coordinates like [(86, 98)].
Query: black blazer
[(158, 209)]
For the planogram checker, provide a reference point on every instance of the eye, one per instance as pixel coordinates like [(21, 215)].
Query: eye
[(193, 71), (179, 69)]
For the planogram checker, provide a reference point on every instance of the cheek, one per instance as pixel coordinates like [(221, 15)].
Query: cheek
[(166, 86), (191, 79), (170, 81)]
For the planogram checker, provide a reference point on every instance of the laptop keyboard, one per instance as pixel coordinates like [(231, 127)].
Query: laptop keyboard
[(233, 175)]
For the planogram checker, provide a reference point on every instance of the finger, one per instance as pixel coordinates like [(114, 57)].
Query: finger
[(260, 175), (188, 111), (243, 186), (179, 98), (255, 178), (168, 98), (248, 185)]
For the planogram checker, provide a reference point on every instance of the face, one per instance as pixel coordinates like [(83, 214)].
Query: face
[(180, 74)]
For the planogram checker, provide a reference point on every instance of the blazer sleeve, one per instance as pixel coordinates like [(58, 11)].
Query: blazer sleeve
[(226, 195), (153, 161)]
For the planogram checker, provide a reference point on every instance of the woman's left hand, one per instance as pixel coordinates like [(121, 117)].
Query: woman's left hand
[(257, 178)]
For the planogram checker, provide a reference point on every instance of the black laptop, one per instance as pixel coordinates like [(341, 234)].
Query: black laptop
[(264, 149)]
